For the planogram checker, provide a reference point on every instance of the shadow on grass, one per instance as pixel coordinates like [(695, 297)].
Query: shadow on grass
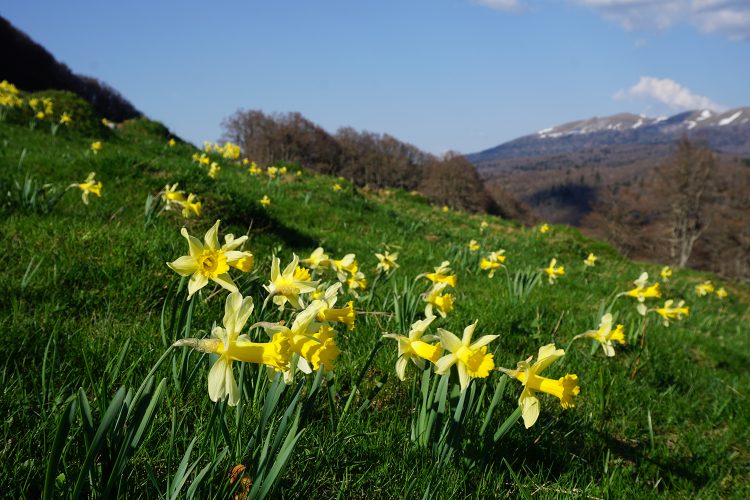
[(260, 221)]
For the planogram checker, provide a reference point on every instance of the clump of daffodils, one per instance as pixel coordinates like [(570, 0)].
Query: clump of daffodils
[(605, 335), (213, 170), (492, 262), (416, 347), (553, 271), (528, 374), (209, 261), (9, 95), (89, 186), (643, 291), (175, 199)]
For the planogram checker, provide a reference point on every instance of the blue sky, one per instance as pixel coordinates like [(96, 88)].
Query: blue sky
[(460, 75)]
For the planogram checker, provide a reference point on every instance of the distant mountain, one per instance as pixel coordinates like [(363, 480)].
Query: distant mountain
[(727, 132), (560, 172), (30, 67)]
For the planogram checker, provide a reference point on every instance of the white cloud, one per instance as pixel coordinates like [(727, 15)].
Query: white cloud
[(728, 17), (668, 92), (506, 5)]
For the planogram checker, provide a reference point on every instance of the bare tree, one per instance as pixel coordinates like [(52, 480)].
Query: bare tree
[(685, 185)]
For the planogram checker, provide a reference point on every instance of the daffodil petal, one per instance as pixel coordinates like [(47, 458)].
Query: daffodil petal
[(184, 266)]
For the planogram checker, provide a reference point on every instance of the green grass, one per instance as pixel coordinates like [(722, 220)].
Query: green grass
[(89, 306)]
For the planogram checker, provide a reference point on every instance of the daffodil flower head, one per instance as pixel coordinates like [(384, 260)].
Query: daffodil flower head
[(90, 185), (317, 259), (441, 275), (347, 264), (244, 263), (285, 287), (529, 375), (172, 197), (208, 261), (722, 293), (704, 288), (416, 347), (65, 119), (590, 260), (265, 201), (471, 358), (669, 313), (231, 346), (493, 262), (605, 335), (473, 246), (544, 228), (96, 147), (214, 169), (554, 271), (386, 261), (483, 225), (272, 171), (665, 273), (437, 300), (312, 342), (643, 291), (191, 206)]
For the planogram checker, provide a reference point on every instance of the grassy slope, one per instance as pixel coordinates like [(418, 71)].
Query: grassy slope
[(102, 282)]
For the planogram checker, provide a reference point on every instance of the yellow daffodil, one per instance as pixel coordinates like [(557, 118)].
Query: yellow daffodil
[(209, 261), (473, 246), (417, 347), (231, 151), (441, 275), (312, 342), (191, 205), (265, 201), (672, 313), (722, 293), (327, 312), (643, 291), (171, 143), (665, 273), (347, 264), (493, 262), (285, 287), (526, 373), (90, 185), (231, 346), (65, 119), (386, 261), (553, 271), (605, 335), (9, 95), (317, 259), (471, 358), (40, 115), (96, 147), (436, 299), (213, 170), (34, 103), (483, 225), (446, 209), (590, 260), (337, 187), (704, 288), (254, 170), (272, 172), (544, 228), (107, 123), (244, 263), (356, 282), (282, 171), (172, 197), (48, 106), (204, 160)]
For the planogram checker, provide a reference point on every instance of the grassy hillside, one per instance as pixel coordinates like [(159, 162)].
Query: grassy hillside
[(89, 306)]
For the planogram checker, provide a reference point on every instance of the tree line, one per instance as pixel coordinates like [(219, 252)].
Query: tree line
[(366, 159)]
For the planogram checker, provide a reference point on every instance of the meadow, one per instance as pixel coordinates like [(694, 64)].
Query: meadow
[(110, 357)]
